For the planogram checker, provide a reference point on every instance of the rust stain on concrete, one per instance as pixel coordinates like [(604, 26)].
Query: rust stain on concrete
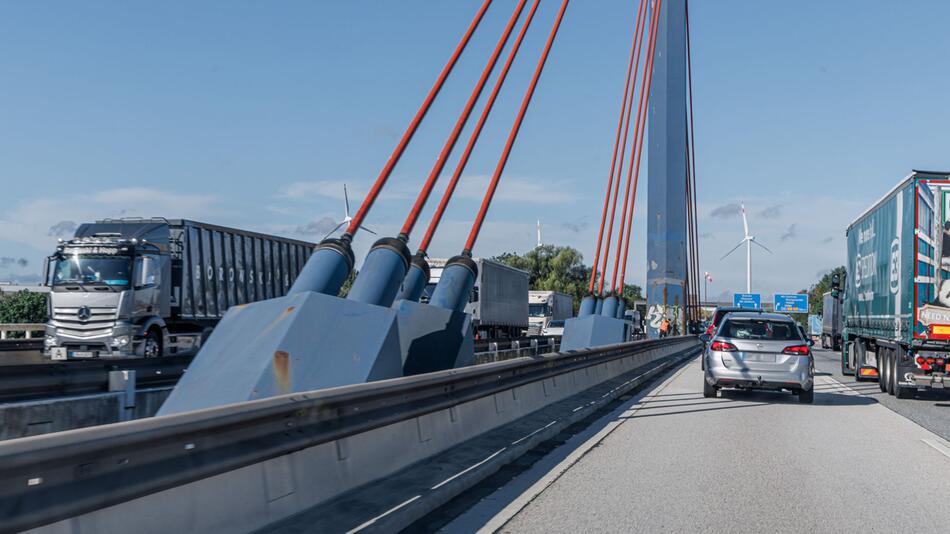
[(282, 371)]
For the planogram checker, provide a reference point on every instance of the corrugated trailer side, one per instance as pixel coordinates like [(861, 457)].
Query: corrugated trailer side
[(879, 290), (503, 296), (222, 267)]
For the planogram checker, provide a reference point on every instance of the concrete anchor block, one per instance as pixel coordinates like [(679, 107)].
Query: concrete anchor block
[(300, 342)]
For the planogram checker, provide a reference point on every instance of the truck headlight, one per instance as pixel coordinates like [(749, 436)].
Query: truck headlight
[(50, 341), (121, 341)]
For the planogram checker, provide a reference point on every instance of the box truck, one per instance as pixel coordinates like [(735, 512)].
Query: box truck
[(498, 302), (831, 321), (137, 287), (897, 297)]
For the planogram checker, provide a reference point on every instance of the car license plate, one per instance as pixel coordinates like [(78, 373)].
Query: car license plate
[(58, 353), (82, 354), (760, 358)]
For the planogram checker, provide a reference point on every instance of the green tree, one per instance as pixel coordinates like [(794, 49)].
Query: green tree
[(555, 268), (23, 307)]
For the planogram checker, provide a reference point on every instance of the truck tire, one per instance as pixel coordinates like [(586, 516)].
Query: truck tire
[(846, 360), (152, 344), (884, 365), (860, 357)]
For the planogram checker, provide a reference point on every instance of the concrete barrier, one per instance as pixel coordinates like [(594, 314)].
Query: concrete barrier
[(33, 418)]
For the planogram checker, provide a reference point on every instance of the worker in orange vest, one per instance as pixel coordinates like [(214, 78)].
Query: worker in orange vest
[(665, 327)]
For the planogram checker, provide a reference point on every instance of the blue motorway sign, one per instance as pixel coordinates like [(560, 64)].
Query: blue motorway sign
[(747, 300), (797, 303)]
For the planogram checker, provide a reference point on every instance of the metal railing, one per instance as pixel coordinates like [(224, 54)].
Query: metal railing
[(56, 476), (531, 347), (28, 329)]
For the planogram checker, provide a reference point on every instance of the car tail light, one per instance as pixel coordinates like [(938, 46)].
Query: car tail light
[(797, 350), (722, 346), (921, 360)]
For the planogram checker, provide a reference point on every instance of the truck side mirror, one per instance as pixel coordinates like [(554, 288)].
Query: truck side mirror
[(46, 270)]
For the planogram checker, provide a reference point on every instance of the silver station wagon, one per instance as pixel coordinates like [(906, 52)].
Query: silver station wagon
[(759, 351)]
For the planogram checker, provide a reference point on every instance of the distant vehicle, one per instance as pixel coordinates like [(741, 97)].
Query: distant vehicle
[(759, 351), (634, 324), (721, 312), (547, 306), (498, 302), (832, 324), (137, 287), (554, 328), (897, 291)]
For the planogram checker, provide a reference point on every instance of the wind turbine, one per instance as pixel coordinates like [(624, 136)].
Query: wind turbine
[(748, 240), (539, 234), (346, 216)]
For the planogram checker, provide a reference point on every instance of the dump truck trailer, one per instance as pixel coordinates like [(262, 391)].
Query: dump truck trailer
[(133, 287), (897, 296)]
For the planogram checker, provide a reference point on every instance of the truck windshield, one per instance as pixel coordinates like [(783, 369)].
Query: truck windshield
[(89, 269), (537, 310)]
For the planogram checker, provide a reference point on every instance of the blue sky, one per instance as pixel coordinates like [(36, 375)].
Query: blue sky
[(253, 114)]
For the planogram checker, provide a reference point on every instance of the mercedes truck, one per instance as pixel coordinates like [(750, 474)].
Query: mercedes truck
[(897, 296), (123, 288)]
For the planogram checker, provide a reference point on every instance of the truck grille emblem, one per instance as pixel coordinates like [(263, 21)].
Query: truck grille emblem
[(84, 313)]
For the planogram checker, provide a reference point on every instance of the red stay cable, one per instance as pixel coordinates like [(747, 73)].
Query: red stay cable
[(638, 42), (620, 120), (638, 134), (476, 132), (413, 126), (459, 124), (635, 168), (493, 185)]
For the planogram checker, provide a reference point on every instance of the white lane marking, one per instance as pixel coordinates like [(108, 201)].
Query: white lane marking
[(942, 448), (519, 440), (462, 472), (382, 515)]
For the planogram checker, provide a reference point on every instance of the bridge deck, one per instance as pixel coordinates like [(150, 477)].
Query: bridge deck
[(672, 461)]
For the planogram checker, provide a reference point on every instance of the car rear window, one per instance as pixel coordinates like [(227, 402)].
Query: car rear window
[(760, 329)]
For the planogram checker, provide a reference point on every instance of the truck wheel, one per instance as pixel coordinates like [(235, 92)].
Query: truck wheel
[(860, 358), (846, 359), (709, 391), (806, 396), (152, 346), (882, 372)]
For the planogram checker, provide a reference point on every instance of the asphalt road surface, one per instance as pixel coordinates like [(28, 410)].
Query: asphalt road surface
[(669, 460), (929, 409)]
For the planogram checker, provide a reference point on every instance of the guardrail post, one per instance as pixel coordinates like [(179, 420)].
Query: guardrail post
[(534, 346), (493, 348), (123, 382)]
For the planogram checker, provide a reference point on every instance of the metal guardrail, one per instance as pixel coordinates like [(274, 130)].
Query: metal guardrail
[(33, 381), (18, 345), (22, 382), (52, 477), (27, 328)]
